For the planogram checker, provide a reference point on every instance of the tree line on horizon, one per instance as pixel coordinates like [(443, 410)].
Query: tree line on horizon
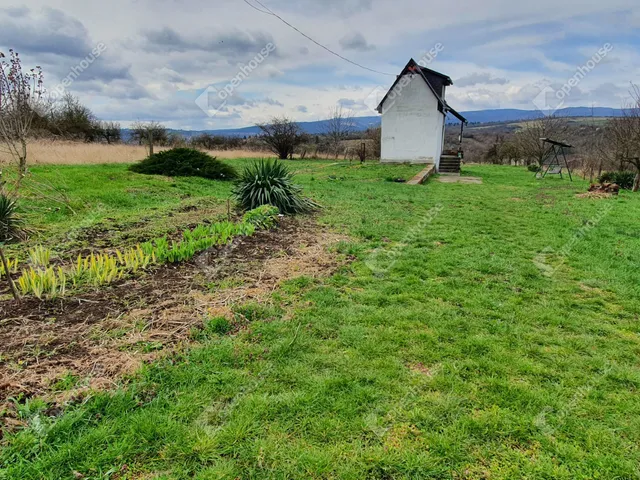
[(26, 113)]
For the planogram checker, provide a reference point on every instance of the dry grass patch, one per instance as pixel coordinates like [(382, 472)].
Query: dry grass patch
[(54, 152)]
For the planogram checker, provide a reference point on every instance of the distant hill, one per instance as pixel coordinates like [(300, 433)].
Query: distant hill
[(362, 123), (312, 128), (512, 115)]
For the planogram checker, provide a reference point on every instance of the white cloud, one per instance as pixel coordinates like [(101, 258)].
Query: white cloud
[(478, 78), (499, 51)]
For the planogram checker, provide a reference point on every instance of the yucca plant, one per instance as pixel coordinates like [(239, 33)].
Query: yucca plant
[(12, 229), (267, 182)]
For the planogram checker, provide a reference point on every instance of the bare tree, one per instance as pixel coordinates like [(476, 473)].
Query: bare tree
[(282, 135), (206, 141), (21, 97), (149, 134), (530, 146), (337, 127), (374, 135), (110, 132), (495, 152), (176, 140), (71, 119), (358, 152), (598, 153), (623, 137), (216, 142), (503, 151)]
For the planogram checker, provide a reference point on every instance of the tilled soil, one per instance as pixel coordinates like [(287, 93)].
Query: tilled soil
[(98, 336)]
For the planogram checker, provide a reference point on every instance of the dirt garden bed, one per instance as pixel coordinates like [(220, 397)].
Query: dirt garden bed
[(99, 336)]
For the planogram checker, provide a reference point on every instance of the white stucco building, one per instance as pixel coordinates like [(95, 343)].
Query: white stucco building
[(413, 112)]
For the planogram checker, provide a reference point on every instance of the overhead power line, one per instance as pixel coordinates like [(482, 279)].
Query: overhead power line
[(268, 11), (256, 8)]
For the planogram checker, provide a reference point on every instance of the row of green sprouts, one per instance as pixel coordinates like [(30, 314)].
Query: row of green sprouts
[(43, 280)]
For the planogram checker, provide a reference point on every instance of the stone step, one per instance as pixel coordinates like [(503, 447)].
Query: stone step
[(422, 176), (449, 164)]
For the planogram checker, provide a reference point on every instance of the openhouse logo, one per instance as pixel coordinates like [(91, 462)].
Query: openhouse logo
[(549, 100), (76, 71), (214, 100)]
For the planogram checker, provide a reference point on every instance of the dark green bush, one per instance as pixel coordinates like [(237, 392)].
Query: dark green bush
[(268, 182), (533, 168), (606, 177), (185, 162), (624, 179)]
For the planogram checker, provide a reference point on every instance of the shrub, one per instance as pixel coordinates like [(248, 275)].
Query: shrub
[(623, 178), (534, 168), (270, 183), (185, 162), (282, 136)]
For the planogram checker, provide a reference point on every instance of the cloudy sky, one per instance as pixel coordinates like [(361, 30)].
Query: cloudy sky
[(164, 58)]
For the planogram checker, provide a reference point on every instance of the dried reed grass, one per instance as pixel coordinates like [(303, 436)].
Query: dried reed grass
[(48, 152)]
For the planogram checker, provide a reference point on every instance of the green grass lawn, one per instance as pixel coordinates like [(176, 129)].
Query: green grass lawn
[(468, 354), (108, 198)]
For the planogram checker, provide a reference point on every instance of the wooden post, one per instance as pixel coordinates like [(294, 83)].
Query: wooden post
[(12, 285), (150, 138)]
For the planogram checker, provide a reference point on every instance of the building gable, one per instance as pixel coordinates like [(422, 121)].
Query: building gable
[(412, 94), (436, 82)]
